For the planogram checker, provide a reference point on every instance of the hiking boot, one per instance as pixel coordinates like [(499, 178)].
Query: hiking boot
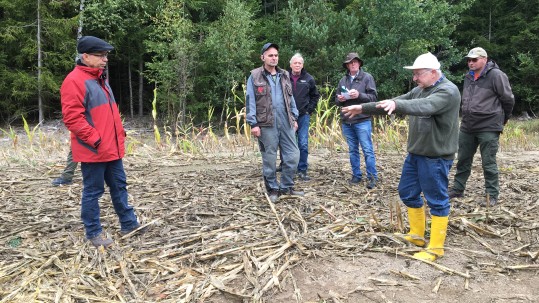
[(355, 180), (492, 201), (140, 231), (273, 195), (292, 192), (61, 181), (453, 193), (302, 175), (371, 184), (99, 240)]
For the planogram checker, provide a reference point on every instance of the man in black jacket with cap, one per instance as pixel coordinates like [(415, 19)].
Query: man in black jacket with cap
[(487, 103)]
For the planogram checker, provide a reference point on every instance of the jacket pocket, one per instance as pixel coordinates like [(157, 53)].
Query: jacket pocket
[(261, 116), (87, 146), (424, 124), (261, 90)]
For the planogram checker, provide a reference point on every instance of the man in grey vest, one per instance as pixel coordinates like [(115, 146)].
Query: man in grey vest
[(272, 115)]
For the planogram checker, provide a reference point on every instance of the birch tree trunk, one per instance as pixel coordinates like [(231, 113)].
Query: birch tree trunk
[(39, 64), (81, 10), (79, 30)]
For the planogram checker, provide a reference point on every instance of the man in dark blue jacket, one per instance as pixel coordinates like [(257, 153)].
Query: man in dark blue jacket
[(306, 96)]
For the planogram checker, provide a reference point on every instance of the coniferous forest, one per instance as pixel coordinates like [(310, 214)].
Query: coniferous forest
[(196, 54)]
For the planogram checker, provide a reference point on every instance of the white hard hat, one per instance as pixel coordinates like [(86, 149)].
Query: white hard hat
[(427, 60)]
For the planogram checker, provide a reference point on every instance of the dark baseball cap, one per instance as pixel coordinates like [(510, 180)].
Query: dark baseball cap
[(268, 45), (91, 44)]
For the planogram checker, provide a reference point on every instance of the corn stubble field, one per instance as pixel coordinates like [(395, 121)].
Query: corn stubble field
[(214, 237)]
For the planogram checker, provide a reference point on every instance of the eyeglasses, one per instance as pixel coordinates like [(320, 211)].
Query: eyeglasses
[(102, 56), (473, 59), (421, 73)]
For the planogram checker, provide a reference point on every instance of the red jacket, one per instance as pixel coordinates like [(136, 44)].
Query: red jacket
[(91, 115)]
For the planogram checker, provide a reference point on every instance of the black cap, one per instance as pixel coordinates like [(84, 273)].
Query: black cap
[(91, 44), (268, 45)]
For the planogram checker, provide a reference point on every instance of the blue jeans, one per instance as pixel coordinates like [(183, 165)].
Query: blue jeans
[(94, 175), (303, 141), (360, 134), (427, 175)]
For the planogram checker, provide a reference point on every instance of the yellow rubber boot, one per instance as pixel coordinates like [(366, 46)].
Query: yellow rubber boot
[(416, 216), (438, 231)]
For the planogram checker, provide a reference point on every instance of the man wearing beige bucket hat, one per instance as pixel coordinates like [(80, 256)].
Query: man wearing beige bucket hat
[(358, 87), (433, 110)]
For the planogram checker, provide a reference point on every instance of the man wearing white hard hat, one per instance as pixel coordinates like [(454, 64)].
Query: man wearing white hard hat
[(433, 107), (487, 103)]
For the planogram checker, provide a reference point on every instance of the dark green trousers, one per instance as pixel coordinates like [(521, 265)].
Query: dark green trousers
[(70, 168), (488, 143)]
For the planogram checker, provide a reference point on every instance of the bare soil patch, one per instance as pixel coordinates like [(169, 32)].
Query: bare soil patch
[(215, 238)]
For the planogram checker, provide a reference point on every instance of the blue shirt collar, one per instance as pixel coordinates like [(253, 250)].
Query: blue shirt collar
[(438, 81)]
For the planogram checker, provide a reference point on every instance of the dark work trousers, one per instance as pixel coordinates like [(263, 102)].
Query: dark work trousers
[(488, 143), (70, 168)]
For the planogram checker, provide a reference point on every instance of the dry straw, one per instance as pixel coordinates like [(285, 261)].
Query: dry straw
[(213, 233)]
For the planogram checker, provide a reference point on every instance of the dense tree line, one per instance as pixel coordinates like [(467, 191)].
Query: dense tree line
[(197, 54)]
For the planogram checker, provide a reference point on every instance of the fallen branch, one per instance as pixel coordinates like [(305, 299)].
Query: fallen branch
[(285, 235), (404, 274), (437, 266)]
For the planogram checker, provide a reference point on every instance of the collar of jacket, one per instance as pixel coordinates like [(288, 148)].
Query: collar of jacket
[(357, 77), (489, 66), (95, 72), (277, 69)]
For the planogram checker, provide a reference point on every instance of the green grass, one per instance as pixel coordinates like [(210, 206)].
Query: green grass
[(520, 135), (530, 126)]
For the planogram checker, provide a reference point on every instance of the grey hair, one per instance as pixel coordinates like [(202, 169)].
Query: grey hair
[(297, 56), (438, 71)]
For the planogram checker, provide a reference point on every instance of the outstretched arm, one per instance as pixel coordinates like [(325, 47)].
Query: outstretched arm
[(352, 110), (388, 105)]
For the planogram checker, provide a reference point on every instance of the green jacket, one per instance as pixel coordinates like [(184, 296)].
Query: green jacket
[(434, 118)]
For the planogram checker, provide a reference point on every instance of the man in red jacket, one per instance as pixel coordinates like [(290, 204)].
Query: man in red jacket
[(97, 138)]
